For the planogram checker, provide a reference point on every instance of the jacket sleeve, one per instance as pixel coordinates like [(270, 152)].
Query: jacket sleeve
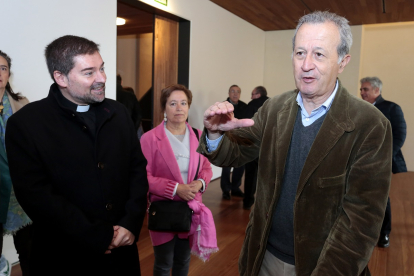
[(399, 129), (160, 186), (35, 193), (354, 234)]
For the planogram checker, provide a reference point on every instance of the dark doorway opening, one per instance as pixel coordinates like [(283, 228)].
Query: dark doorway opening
[(142, 59)]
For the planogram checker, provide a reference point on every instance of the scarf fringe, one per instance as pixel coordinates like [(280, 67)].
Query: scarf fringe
[(203, 253), (12, 233)]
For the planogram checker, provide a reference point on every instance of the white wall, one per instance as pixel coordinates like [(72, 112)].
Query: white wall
[(30, 25), (134, 62), (126, 59)]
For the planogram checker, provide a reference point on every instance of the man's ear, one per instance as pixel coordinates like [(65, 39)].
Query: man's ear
[(344, 62), (60, 79)]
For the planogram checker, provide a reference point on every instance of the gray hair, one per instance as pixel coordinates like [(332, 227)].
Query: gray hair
[(319, 17), (374, 81)]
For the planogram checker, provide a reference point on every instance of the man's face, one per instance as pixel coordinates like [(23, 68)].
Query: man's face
[(234, 94), (255, 94), (85, 83), (315, 59), (368, 93), (4, 73)]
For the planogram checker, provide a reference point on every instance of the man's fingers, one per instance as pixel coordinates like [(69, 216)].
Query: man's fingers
[(244, 123), (219, 108)]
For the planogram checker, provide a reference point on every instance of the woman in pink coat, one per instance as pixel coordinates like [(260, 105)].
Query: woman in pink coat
[(170, 149)]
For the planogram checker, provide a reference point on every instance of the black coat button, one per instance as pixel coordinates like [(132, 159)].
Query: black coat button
[(101, 165), (84, 128), (109, 206)]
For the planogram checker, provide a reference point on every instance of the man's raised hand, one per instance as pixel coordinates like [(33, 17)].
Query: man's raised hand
[(220, 117)]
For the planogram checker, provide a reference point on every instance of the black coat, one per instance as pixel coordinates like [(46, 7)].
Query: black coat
[(253, 106), (395, 115), (76, 183), (238, 108)]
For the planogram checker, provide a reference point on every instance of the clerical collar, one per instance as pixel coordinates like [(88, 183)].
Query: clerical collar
[(82, 108), (71, 105)]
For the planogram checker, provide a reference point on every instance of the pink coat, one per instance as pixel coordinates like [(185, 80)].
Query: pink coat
[(163, 172)]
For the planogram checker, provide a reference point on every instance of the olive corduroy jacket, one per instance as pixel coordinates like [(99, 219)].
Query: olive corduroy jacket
[(342, 191)]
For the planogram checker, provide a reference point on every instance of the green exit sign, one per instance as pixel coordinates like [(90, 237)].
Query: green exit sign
[(164, 2)]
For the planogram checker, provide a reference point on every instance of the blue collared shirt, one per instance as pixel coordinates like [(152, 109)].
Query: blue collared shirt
[(307, 119)]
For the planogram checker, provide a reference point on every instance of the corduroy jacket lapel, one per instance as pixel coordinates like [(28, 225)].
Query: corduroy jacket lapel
[(335, 124)]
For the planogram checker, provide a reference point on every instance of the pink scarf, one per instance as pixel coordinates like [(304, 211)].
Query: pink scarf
[(204, 242)]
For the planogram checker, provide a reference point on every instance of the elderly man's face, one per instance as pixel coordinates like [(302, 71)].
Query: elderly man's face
[(315, 59), (234, 94), (368, 93), (255, 94)]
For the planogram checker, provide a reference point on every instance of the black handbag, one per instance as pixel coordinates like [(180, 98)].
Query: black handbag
[(171, 216)]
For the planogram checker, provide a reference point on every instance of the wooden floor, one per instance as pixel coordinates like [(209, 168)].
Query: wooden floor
[(231, 220)]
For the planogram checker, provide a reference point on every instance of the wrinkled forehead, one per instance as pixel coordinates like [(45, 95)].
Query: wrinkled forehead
[(326, 32)]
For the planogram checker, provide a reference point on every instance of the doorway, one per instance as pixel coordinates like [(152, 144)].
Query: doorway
[(152, 52)]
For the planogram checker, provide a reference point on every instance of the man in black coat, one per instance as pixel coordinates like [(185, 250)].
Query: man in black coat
[(130, 101), (259, 96), (78, 170), (371, 88), (226, 185)]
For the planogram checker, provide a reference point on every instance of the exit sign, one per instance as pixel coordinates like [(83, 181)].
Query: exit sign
[(164, 2)]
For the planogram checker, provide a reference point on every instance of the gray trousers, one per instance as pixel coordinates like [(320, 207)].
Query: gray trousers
[(272, 266), (175, 255)]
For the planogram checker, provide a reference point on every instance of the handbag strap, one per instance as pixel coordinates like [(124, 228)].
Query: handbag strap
[(198, 166)]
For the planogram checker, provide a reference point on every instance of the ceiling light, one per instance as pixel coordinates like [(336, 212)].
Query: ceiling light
[(120, 21)]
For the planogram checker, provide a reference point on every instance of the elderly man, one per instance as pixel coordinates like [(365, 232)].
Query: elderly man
[(78, 170), (234, 184), (371, 89), (324, 163), (259, 96)]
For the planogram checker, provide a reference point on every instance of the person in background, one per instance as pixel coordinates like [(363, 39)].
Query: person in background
[(129, 100), (324, 163), (234, 184), (78, 169), (170, 149), (259, 96), (13, 220), (371, 90)]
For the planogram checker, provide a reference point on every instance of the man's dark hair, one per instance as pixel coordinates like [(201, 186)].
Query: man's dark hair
[(234, 85), (61, 52), (261, 90), (118, 79)]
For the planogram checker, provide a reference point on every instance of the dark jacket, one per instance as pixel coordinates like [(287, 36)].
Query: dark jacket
[(253, 106), (342, 190), (129, 100), (238, 108), (394, 113), (76, 183)]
